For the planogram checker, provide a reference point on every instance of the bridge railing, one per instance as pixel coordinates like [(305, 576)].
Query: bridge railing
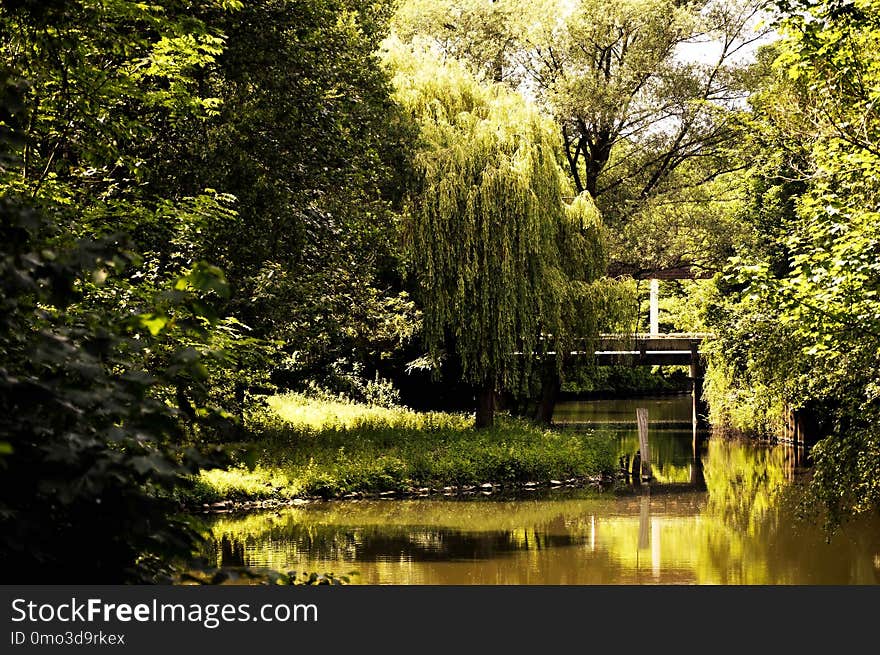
[(663, 335), (673, 343)]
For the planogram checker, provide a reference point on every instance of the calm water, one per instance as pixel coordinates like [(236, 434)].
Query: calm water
[(721, 515)]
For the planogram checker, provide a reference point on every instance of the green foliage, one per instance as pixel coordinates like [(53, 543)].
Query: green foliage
[(472, 31), (799, 315), (107, 355), (332, 447), (91, 452), (315, 151), (625, 379), (504, 266)]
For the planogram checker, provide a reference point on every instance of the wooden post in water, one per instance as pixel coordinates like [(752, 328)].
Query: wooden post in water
[(642, 419)]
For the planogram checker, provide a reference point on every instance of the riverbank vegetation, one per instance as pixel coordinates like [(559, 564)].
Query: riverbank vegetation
[(414, 204), (797, 312), (329, 447)]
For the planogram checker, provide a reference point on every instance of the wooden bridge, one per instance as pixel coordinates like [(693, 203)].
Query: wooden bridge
[(675, 349), (656, 349), (647, 349), (644, 349)]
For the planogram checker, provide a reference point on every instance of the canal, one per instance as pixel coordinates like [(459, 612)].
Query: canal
[(715, 512)]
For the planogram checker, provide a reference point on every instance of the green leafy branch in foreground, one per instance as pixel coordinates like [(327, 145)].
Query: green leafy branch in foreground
[(798, 316)]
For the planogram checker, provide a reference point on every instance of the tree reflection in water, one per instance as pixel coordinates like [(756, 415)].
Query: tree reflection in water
[(722, 514), (741, 530)]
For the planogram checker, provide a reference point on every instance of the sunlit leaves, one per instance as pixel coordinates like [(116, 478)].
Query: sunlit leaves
[(153, 323), (811, 275), (489, 224), (174, 59), (204, 277)]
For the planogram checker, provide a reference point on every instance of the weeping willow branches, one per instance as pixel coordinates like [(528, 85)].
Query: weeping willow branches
[(505, 260)]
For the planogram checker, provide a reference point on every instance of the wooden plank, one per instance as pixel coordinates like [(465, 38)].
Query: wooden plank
[(649, 359), (683, 344), (644, 448)]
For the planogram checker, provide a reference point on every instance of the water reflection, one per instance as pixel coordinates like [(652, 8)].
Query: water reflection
[(736, 528), (743, 481), (676, 445), (737, 533)]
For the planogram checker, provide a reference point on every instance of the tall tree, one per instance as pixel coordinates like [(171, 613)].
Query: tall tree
[(308, 140), (504, 266), (642, 92), (619, 76)]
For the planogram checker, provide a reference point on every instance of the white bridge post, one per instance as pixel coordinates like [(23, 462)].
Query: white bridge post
[(655, 307)]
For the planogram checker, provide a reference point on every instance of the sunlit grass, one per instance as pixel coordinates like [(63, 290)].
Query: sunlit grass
[(239, 482), (338, 413), (330, 447)]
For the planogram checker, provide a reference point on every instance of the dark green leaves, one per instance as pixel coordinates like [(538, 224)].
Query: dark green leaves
[(103, 377)]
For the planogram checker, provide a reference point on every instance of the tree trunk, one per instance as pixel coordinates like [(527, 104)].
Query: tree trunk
[(485, 407), (498, 68), (239, 391), (550, 385)]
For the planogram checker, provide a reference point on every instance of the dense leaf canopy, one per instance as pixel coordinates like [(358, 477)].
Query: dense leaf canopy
[(505, 265)]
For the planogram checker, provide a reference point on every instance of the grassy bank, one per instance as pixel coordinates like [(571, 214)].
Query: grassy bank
[(332, 447)]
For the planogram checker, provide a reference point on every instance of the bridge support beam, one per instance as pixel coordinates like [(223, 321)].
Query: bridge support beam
[(697, 375)]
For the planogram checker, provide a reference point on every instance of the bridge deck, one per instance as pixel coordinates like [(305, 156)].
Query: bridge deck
[(652, 342), (643, 349)]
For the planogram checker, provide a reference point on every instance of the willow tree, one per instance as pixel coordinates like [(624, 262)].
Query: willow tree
[(503, 257)]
